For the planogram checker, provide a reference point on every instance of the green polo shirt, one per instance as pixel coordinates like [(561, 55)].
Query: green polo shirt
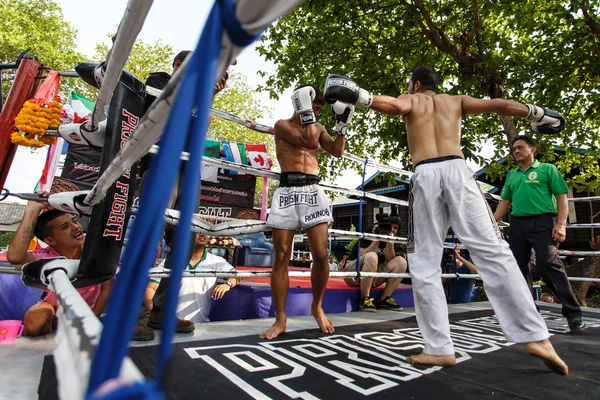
[(532, 191)]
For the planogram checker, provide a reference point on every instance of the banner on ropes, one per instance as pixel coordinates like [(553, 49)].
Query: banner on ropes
[(82, 164)]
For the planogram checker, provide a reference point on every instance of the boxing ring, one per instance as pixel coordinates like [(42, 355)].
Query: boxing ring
[(366, 356)]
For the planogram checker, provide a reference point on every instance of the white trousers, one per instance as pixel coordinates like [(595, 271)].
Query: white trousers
[(444, 194)]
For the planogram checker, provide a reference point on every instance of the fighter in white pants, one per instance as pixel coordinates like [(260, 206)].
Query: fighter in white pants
[(445, 194)]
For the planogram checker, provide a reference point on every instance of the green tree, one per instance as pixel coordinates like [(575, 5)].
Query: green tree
[(144, 58), (5, 239), (543, 52), (485, 49), (37, 25), (238, 99)]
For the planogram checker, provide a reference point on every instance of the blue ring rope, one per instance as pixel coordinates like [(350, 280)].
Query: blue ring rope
[(360, 218), (195, 90)]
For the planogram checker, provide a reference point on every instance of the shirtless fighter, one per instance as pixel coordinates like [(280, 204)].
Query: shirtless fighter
[(443, 194), (299, 203)]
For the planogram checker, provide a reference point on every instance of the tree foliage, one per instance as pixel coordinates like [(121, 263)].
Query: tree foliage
[(144, 58), (37, 25), (238, 98), (543, 52)]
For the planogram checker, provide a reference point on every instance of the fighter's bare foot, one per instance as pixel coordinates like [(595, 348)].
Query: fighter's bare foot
[(427, 359), (544, 350), (275, 330), (322, 320)]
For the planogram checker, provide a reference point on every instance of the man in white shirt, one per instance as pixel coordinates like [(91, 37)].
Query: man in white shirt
[(196, 294), (332, 265)]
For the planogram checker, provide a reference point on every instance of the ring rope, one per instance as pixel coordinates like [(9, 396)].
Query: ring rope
[(78, 331), (165, 273), (130, 26)]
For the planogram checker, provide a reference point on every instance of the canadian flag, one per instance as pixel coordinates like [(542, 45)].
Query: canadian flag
[(257, 156)]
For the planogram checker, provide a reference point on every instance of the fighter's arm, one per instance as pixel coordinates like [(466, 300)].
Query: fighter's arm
[(543, 120), (336, 146), (341, 88), (471, 105), (17, 250), (308, 138), (394, 106)]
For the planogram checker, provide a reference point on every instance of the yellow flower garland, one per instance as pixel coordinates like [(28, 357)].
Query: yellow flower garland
[(33, 120)]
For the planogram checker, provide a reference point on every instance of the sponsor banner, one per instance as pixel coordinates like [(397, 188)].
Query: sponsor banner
[(230, 190), (227, 211), (82, 164)]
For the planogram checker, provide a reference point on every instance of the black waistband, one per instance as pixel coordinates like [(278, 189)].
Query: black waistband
[(438, 159), (529, 217), (289, 179)]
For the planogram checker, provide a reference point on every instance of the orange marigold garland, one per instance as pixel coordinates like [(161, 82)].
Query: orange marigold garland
[(38, 114), (34, 119)]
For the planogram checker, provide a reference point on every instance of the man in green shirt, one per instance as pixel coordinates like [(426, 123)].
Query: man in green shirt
[(534, 190)]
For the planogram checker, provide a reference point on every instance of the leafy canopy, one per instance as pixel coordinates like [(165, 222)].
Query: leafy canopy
[(543, 52)]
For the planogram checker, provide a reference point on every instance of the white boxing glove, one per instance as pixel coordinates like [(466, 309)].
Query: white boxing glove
[(543, 120), (343, 116), (71, 202), (302, 102)]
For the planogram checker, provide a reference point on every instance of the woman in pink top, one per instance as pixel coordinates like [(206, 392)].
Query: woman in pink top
[(64, 236)]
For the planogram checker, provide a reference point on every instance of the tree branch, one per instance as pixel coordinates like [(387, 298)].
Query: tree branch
[(435, 34)]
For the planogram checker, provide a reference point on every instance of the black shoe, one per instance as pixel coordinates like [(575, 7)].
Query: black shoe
[(143, 332), (366, 304), (389, 304), (576, 324), (181, 325)]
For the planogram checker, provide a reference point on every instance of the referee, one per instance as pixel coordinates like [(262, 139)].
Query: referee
[(534, 189)]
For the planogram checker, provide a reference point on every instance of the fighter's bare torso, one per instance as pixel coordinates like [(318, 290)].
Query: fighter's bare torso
[(434, 126), (300, 156)]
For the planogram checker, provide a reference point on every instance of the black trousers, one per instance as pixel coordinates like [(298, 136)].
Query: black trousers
[(536, 232)]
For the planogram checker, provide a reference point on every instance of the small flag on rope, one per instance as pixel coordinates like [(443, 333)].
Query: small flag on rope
[(212, 148), (236, 153), (257, 155), (82, 106)]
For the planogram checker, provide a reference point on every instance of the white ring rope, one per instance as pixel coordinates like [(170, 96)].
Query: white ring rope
[(130, 26), (275, 175), (166, 273), (253, 19), (78, 333)]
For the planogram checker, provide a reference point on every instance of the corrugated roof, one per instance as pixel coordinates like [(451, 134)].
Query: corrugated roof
[(11, 213), (343, 200)]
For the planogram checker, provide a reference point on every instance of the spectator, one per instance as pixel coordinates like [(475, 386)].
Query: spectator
[(153, 319), (462, 289), (196, 294), (64, 236), (381, 257), (537, 193), (332, 265)]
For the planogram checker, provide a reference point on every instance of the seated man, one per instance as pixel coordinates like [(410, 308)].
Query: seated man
[(64, 236), (196, 294), (381, 257)]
